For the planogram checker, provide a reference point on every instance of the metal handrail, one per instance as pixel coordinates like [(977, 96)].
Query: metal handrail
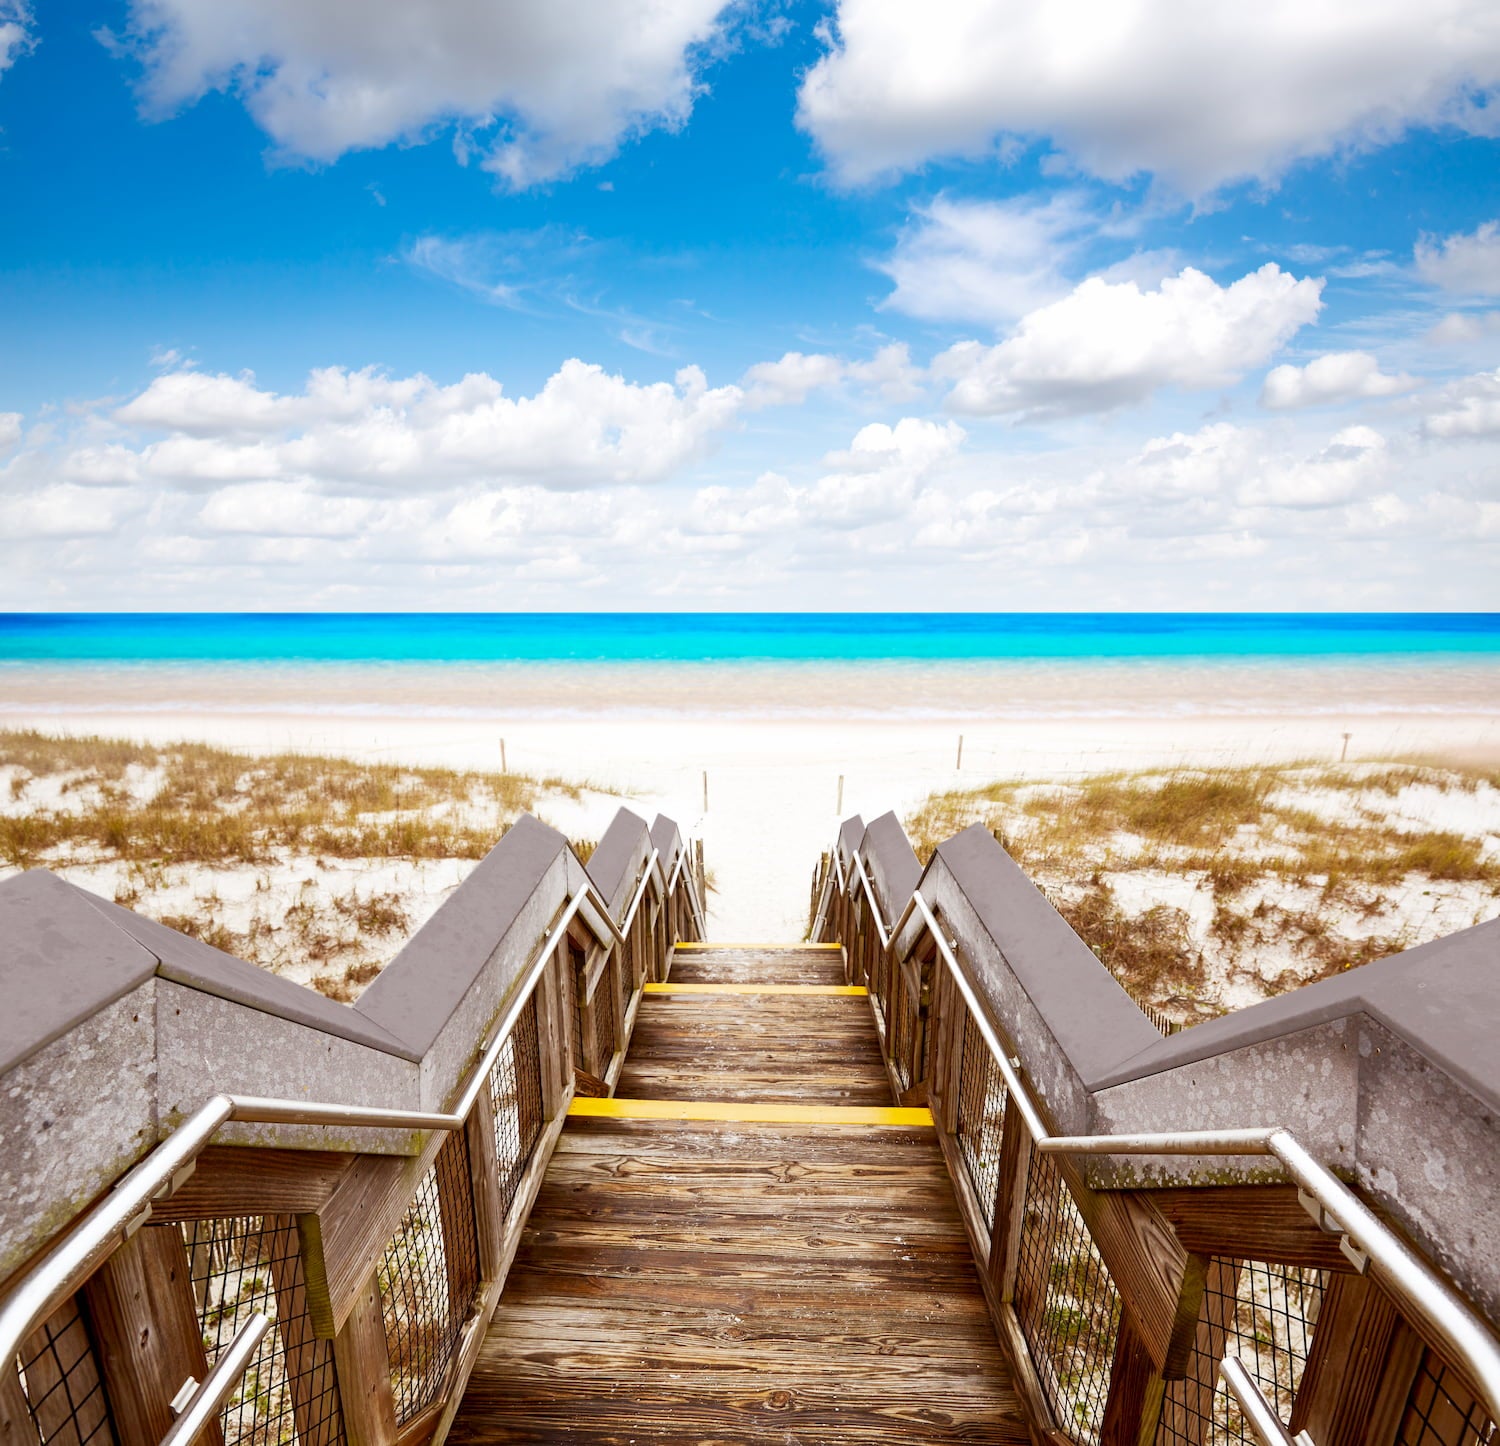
[(228, 1371), (1258, 1413), (127, 1206), (1364, 1237)]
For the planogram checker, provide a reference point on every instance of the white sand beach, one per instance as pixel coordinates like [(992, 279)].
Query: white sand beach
[(774, 747)]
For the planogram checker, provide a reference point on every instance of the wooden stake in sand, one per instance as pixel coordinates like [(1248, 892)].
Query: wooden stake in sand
[(503, 768), (960, 762), (705, 790), (839, 806)]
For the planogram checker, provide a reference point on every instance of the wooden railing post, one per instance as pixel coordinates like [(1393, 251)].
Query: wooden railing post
[(554, 1025), (364, 1369), (140, 1303)]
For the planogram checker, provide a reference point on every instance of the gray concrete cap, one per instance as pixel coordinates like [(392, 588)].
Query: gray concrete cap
[(609, 866), (189, 961), (62, 963), (1095, 1023), (417, 992), (1440, 997)]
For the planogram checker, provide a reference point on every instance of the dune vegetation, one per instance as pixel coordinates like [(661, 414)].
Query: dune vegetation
[(318, 867), (1205, 889)]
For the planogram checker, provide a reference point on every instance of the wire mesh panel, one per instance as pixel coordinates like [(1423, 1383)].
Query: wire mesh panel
[(603, 1007), (571, 964), (59, 1378), (1067, 1304), (428, 1281), (1262, 1312), (1441, 1410), (981, 1117), (243, 1264), (516, 1100)]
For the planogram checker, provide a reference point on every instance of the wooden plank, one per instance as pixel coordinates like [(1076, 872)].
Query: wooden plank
[(146, 1332), (364, 1368), (1403, 1360), (854, 991), (244, 1180), (1351, 1347), (553, 1037), (1135, 1393), (682, 1280), (484, 1185), (342, 1241), (710, 947), (747, 1113), (1253, 1222)]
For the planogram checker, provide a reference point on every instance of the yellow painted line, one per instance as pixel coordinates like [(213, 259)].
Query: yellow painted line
[(717, 945), (855, 990), (746, 1114)]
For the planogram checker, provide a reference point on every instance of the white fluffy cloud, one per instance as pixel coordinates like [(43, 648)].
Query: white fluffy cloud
[(15, 32), (889, 375), (1338, 376), (1244, 466), (584, 428), (10, 429), (1467, 408), (986, 261), (1110, 344), (559, 82), (1464, 263), (878, 476), (1200, 94)]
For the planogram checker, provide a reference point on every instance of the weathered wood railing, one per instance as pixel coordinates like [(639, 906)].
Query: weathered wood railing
[(1119, 1305), (376, 1270)]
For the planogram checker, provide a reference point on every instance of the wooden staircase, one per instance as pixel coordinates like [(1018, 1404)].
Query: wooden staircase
[(782, 1262)]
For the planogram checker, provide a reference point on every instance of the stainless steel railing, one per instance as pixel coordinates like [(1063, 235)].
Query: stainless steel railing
[(1363, 1238), (127, 1206)]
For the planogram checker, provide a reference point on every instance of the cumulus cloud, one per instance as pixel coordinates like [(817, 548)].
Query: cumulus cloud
[(584, 427), (10, 429), (792, 379), (889, 374), (1459, 328), (15, 32), (1228, 463), (535, 87), (1464, 263), (1338, 376), (1110, 344), (878, 475), (1467, 408), (1197, 94), (987, 261)]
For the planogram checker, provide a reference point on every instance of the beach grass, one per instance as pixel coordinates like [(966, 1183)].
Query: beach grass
[(315, 866), (196, 803), (1203, 888)]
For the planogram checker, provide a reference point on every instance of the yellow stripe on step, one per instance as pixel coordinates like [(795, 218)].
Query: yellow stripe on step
[(855, 990), (717, 945), (746, 1114)]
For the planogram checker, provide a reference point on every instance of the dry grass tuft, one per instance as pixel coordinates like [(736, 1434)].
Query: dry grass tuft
[(342, 852), (1255, 879)]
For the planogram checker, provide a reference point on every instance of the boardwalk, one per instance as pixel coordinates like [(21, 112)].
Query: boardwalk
[(732, 1282)]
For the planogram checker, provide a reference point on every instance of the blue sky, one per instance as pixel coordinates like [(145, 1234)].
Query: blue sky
[(684, 304)]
